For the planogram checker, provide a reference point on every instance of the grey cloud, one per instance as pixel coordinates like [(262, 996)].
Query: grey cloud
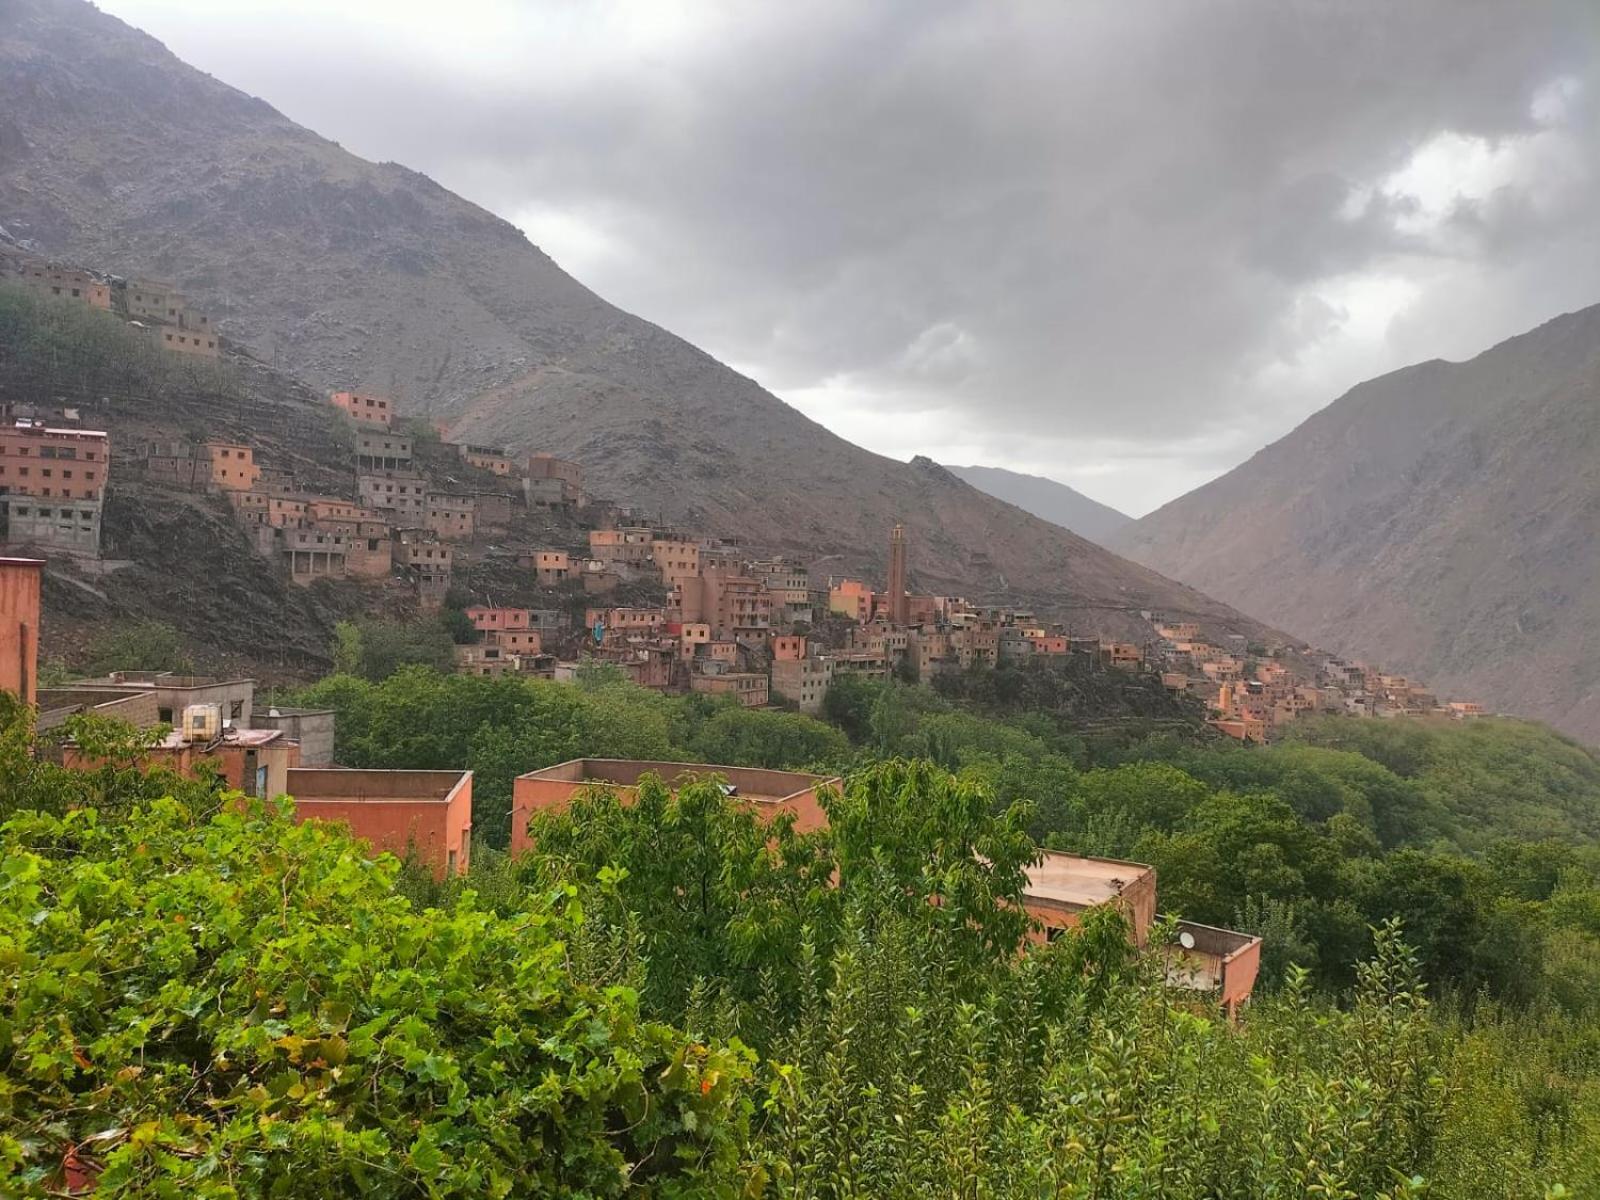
[(1092, 221)]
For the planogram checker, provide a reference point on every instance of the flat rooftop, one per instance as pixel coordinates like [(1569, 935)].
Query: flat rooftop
[(1209, 939), (347, 785), (1079, 882), (749, 783)]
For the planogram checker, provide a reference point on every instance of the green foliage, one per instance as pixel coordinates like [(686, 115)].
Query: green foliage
[(227, 1003), (139, 646), (778, 740), (374, 648)]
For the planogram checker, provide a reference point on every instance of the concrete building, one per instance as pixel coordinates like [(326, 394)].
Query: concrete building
[(152, 300), (379, 449), (803, 681), (310, 554), (568, 474), (629, 546), (69, 525), (548, 493), (233, 698), (492, 510), (312, 728), (399, 492), (769, 792), (789, 587), (427, 561), (364, 408), (451, 518), (19, 627), (423, 813), (137, 708)]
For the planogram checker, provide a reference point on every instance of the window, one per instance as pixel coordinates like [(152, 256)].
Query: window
[(236, 710)]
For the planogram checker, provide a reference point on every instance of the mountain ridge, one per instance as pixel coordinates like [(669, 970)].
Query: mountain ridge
[(1440, 518), (1048, 499), (349, 273)]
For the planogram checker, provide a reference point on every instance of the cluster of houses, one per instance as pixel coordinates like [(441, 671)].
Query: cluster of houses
[(1250, 692), (397, 520), (216, 729), (148, 304)]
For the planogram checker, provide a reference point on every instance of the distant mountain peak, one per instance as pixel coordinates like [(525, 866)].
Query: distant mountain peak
[(1443, 519), (1047, 499)]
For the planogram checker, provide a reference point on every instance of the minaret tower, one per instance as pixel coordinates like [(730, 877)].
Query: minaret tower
[(899, 601)]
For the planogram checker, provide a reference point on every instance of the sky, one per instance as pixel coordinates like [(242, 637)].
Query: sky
[(1121, 244)]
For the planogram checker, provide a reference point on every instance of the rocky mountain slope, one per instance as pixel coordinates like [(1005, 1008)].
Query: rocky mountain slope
[(1443, 519), (1048, 500), (353, 273)]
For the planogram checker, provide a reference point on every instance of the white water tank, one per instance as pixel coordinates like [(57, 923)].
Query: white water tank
[(202, 722)]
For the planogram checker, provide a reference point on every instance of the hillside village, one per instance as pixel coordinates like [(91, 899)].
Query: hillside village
[(553, 579)]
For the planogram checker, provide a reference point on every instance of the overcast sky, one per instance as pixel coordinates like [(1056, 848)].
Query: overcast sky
[(1121, 244)]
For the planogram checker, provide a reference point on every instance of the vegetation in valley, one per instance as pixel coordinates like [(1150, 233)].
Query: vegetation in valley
[(670, 998)]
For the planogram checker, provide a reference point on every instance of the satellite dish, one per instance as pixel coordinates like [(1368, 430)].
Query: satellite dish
[(1186, 940)]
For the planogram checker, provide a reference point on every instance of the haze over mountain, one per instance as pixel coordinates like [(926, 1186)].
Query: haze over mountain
[(113, 152), (1441, 519), (1046, 498)]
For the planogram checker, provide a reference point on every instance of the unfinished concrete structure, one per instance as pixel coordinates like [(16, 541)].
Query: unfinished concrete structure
[(311, 727)]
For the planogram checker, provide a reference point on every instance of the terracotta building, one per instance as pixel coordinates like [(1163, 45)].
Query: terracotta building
[(229, 467), (1208, 959), (550, 567), (19, 626), (152, 300), (364, 408), (851, 598), (52, 484), (769, 792), (1062, 887), (484, 618), (569, 474), (186, 341), (425, 813), (68, 283), (488, 458), (676, 558), (747, 687)]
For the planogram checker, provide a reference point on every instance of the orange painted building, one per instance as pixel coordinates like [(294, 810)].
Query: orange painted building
[(748, 688), (40, 460), (230, 467), (484, 618), (186, 341), (19, 627), (851, 598), (769, 792), (69, 283), (550, 567), (256, 762), (428, 813), (360, 406)]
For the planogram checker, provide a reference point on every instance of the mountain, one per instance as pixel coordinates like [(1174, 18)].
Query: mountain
[(346, 272), (1047, 500), (1443, 520)]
